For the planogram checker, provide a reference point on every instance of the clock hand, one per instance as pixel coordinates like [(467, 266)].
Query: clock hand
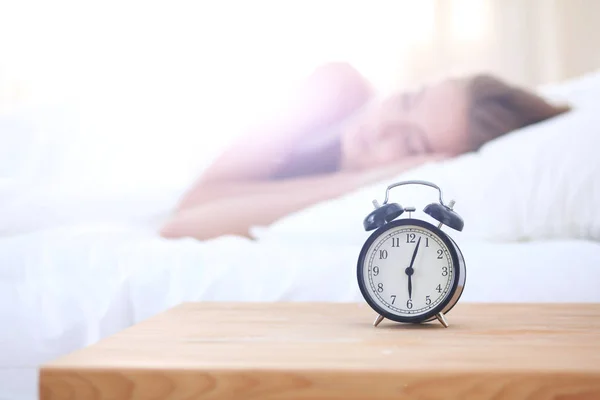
[(410, 270), (412, 261)]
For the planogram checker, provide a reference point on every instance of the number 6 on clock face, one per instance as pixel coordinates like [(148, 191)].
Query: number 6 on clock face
[(410, 271)]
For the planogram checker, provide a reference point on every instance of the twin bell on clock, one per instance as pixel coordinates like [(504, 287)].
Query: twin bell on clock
[(409, 270)]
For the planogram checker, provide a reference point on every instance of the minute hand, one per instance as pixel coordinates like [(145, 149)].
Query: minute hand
[(412, 261)]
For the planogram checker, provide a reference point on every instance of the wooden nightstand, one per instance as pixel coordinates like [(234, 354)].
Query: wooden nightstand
[(332, 351)]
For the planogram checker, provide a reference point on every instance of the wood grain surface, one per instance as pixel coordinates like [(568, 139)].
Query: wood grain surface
[(332, 351)]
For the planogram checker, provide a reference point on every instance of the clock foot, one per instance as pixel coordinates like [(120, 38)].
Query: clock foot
[(378, 320), (440, 317)]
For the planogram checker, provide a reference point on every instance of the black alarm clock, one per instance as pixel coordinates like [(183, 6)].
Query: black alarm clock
[(409, 270)]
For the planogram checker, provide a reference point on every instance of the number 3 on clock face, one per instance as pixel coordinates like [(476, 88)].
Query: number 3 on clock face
[(409, 271)]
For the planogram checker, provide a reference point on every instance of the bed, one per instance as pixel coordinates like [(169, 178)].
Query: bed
[(94, 264)]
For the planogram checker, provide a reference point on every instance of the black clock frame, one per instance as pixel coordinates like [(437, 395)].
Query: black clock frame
[(457, 259)]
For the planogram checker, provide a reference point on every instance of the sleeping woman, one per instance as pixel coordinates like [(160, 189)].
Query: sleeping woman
[(335, 136)]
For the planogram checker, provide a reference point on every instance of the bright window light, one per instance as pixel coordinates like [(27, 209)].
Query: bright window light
[(469, 19)]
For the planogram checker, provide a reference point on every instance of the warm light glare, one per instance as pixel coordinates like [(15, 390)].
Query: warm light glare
[(190, 76), (469, 19)]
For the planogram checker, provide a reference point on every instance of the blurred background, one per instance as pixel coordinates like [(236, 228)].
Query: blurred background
[(109, 111), (137, 89)]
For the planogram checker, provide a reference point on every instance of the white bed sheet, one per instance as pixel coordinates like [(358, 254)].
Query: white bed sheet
[(65, 288)]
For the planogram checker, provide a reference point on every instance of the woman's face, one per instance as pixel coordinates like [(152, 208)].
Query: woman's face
[(430, 120)]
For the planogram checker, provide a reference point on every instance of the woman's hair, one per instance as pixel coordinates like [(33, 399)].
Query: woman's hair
[(497, 108)]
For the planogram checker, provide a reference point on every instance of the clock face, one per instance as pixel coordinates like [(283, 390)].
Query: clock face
[(407, 270)]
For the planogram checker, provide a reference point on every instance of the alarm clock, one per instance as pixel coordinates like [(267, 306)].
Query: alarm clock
[(409, 270)]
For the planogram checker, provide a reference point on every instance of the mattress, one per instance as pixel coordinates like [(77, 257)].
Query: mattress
[(65, 288)]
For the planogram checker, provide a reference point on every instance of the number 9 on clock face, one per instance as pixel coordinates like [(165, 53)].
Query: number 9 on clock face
[(409, 271)]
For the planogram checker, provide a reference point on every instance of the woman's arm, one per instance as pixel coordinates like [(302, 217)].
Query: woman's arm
[(275, 149), (229, 212), (223, 213)]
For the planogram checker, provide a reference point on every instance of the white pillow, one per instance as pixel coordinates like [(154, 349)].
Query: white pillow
[(539, 182), (580, 91)]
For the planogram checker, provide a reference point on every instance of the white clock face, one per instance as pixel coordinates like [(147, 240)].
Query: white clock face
[(408, 271)]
